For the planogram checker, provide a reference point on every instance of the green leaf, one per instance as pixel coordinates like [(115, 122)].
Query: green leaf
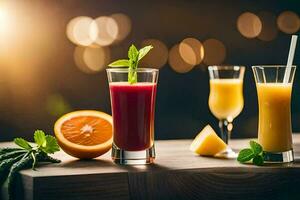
[(51, 145), (40, 138), (120, 63), (245, 155), (144, 51), (134, 56), (133, 53), (256, 148), (34, 160), (22, 143), (258, 160)]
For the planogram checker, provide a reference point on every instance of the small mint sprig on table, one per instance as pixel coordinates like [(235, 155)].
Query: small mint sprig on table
[(134, 56), (255, 154), (12, 160)]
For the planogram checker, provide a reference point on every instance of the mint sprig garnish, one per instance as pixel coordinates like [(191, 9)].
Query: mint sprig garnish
[(134, 56), (27, 155), (255, 154)]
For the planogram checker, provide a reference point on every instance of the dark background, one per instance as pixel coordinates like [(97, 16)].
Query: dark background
[(39, 79)]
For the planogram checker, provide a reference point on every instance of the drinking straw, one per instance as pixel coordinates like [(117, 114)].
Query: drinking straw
[(290, 58)]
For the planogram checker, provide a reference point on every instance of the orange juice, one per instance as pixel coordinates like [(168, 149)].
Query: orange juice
[(275, 129), (226, 98)]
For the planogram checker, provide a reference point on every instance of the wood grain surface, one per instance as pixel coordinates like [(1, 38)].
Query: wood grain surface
[(176, 174)]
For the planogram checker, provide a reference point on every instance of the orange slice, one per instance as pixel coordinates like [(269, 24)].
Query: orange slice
[(207, 143), (84, 134)]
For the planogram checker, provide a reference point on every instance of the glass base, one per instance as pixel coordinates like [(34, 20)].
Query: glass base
[(124, 157), (227, 154), (279, 157)]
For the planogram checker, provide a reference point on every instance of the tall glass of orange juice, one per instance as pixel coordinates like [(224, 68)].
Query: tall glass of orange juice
[(226, 99), (274, 102)]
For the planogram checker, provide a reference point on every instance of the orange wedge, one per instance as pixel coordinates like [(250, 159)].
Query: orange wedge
[(84, 134), (207, 143)]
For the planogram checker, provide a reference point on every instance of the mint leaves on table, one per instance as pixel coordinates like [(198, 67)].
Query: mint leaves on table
[(26, 155), (134, 56), (254, 153)]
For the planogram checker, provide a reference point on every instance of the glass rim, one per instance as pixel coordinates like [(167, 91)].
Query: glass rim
[(226, 67), (271, 66), (126, 70)]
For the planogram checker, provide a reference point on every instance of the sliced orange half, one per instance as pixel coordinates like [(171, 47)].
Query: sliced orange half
[(84, 134)]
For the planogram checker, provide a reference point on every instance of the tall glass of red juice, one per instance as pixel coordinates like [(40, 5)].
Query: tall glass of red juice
[(133, 106)]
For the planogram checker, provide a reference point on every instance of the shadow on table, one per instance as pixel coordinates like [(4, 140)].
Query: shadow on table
[(92, 163), (97, 163), (143, 168)]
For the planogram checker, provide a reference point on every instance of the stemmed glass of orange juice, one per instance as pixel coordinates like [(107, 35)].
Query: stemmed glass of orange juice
[(226, 99)]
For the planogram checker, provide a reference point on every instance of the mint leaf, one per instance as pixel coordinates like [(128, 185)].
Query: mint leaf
[(256, 148), (258, 160), (51, 145), (245, 155), (40, 138), (22, 143), (144, 51), (120, 63), (256, 154), (134, 56), (133, 53)]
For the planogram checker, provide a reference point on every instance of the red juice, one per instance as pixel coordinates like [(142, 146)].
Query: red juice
[(133, 115)]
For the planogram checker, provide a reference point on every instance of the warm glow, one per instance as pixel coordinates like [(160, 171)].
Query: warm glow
[(176, 62), (269, 29), (6, 23), (288, 22), (3, 17), (249, 25), (215, 52), (191, 50), (124, 25), (157, 57), (107, 30), (82, 31)]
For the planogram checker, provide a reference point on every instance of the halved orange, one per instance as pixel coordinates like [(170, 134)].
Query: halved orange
[(84, 134)]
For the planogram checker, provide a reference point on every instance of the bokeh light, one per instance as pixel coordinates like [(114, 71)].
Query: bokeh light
[(191, 50), (103, 31), (288, 22), (249, 25), (215, 52), (57, 105), (157, 57), (124, 25), (107, 30), (82, 31), (269, 28), (78, 58), (176, 62), (91, 59), (96, 58)]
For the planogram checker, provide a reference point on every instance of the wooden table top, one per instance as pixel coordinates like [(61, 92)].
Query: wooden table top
[(176, 174)]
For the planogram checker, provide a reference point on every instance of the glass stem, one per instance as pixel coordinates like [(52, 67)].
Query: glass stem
[(226, 128)]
